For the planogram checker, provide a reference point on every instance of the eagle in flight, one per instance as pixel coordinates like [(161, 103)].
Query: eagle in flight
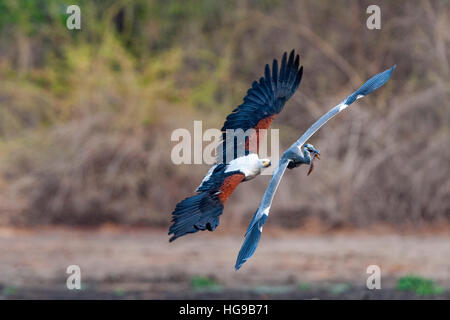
[(237, 159)]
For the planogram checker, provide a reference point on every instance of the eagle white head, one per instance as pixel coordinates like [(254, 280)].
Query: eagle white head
[(264, 163)]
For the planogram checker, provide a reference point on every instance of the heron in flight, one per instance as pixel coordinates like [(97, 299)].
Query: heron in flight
[(294, 157), (237, 159)]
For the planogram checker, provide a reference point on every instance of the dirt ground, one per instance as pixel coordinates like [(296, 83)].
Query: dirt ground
[(142, 264)]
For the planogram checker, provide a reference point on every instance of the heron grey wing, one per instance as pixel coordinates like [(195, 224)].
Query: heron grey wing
[(319, 123), (369, 86), (253, 234), (266, 201)]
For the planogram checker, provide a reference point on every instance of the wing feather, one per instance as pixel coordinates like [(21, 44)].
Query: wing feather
[(254, 230), (369, 86), (263, 100)]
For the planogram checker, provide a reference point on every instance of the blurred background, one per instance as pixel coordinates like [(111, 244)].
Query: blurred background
[(86, 176)]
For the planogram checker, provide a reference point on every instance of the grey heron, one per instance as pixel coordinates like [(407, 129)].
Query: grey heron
[(293, 157)]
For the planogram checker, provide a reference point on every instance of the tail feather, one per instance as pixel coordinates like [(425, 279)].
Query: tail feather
[(370, 85), (255, 219), (251, 241), (199, 212)]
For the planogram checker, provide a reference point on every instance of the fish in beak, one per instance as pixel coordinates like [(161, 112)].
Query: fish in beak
[(311, 166)]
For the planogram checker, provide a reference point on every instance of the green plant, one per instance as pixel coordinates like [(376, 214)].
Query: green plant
[(421, 286), (9, 291), (339, 288), (119, 292), (205, 283), (304, 286)]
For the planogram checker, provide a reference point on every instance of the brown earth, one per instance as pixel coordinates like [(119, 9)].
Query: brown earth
[(141, 263)]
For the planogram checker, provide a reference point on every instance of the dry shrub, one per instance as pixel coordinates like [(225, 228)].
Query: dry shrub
[(85, 124), (90, 174)]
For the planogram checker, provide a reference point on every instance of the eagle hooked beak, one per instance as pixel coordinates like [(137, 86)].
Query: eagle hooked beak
[(266, 164)]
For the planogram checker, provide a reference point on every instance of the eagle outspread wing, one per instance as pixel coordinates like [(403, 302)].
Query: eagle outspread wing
[(254, 230), (263, 101)]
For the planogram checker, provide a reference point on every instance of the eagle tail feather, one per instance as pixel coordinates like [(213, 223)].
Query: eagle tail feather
[(199, 212)]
